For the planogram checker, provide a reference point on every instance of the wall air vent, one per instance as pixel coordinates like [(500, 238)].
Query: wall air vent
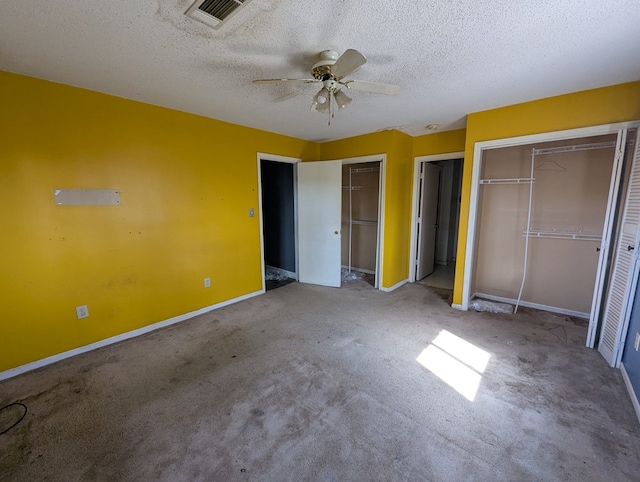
[(215, 12)]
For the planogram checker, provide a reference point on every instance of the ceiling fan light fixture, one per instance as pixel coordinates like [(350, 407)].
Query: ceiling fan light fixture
[(322, 97), (342, 99), (331, 70), (324, 108)]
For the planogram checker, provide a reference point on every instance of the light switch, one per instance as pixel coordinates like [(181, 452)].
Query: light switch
[(251, 213)]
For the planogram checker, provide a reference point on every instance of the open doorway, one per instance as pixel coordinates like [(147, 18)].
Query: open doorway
[(361, 219), (319, 220), (360, 209), (436, 216), (278, 221)]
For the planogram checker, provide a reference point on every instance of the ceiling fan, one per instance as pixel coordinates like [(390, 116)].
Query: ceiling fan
[(331, 71)]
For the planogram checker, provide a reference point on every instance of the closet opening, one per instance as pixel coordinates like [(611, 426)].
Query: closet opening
[(360, 220), (540, 217), (279, 222), (574, 232)]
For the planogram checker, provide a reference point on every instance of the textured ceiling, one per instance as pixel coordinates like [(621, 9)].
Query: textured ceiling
[(450, 57)]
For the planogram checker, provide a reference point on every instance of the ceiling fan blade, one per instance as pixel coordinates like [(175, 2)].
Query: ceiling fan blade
[(347, 63), (374, 87), (279, 81)]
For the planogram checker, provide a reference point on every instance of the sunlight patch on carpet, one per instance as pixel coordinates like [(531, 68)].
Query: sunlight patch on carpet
[(456, 362)]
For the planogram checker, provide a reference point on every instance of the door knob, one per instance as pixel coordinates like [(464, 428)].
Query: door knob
[(335, 232)]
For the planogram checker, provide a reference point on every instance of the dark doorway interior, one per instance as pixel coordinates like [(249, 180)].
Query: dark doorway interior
[(278, 222)]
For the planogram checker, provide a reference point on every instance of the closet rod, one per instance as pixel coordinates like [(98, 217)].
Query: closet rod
[(364, 169), (574, 148)]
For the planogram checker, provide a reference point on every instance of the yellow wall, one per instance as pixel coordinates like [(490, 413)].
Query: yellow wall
[(186, 182), (439, 143), (618, 103), (397, 207)]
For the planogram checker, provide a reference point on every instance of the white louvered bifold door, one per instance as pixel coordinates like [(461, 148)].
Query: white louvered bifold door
[(625, 270), (607, 245)]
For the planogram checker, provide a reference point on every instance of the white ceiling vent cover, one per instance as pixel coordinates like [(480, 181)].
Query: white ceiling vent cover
[(215, 12)]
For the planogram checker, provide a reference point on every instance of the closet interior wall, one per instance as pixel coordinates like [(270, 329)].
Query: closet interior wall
[(360, 188), (568, 205)]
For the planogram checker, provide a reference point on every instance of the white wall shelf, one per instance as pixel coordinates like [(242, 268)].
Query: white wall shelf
[(564, 234), (364, 222), (515, 180)]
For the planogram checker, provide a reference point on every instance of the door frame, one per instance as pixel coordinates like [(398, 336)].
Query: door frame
[(478, 149), (288, 160), (382, 182), (413, 250)]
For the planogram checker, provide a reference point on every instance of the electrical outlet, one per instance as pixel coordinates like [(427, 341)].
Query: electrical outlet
[(636, 345), (82, 312), (207, 282)]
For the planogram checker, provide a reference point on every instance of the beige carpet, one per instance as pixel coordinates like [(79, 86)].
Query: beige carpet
[(312, 383)]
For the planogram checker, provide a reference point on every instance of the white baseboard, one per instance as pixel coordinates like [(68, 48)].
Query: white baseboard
[(12, 372), (632, 393), (395, 286), (456, 306), (535, 306), (288, 274)]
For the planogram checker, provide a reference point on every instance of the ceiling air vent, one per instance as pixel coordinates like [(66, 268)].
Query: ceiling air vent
[(215, 12)]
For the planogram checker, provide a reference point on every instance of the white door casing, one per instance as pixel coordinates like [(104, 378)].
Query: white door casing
[(427, 219), (319, 216), (624, 278)]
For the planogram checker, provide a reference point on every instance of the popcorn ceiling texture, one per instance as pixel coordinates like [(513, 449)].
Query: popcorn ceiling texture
[(449, 57)]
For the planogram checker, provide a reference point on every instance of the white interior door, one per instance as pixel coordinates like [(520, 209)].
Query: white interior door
[(319, 213), (624, 277), (607, 235), (427, 219)]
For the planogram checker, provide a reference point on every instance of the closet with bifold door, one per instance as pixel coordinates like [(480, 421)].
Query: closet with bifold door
[(540, 218), (360, 218)]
